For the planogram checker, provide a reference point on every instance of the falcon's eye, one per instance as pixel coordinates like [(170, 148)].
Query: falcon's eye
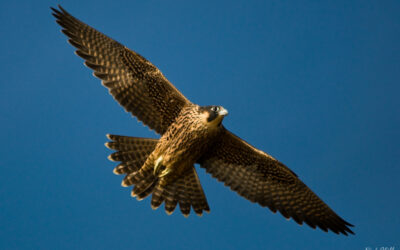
[(215, 108)]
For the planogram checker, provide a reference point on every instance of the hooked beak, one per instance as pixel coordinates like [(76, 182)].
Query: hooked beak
[(223, 112)]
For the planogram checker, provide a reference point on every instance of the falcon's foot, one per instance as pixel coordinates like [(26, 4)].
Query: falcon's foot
[(159, 169)]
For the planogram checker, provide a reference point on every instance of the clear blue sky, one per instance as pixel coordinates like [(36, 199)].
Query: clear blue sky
[(314, 84)]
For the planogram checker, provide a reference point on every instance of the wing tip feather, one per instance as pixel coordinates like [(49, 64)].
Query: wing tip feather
[(115, 171)]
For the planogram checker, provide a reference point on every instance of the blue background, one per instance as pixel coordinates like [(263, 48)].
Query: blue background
[(314, 84)]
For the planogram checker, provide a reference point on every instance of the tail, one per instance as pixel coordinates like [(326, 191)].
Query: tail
[(185, 190), (132, 152)]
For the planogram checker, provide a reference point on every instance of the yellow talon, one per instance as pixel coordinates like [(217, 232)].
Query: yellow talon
[(157, 165), (158, 171), (165, 172)]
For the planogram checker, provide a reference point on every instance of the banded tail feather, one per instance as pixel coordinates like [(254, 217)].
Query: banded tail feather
[(132, 153), (186, 190)]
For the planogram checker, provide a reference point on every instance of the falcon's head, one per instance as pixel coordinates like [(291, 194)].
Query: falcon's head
[(213, 115)]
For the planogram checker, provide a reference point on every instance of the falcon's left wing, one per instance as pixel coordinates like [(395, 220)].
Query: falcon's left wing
[(260, 178), (132, 80)]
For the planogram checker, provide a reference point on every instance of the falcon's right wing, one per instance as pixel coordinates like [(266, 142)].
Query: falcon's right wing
[(260, 178)]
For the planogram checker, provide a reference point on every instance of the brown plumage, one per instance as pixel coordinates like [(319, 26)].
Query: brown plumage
[(190, 134)]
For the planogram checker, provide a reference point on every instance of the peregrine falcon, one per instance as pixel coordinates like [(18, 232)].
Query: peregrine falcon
[(190, 134)]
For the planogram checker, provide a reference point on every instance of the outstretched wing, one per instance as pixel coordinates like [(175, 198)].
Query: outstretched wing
[(260, 178), (132, 80)]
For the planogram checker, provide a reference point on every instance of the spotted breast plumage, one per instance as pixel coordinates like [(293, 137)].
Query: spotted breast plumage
[(190, 134)]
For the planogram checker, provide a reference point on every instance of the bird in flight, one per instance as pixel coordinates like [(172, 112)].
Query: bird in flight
[(190, 134)]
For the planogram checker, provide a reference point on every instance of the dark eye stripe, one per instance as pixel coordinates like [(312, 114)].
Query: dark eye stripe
[(212, 116)]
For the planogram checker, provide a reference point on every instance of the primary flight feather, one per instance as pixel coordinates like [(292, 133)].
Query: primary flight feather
[(190, 134)]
